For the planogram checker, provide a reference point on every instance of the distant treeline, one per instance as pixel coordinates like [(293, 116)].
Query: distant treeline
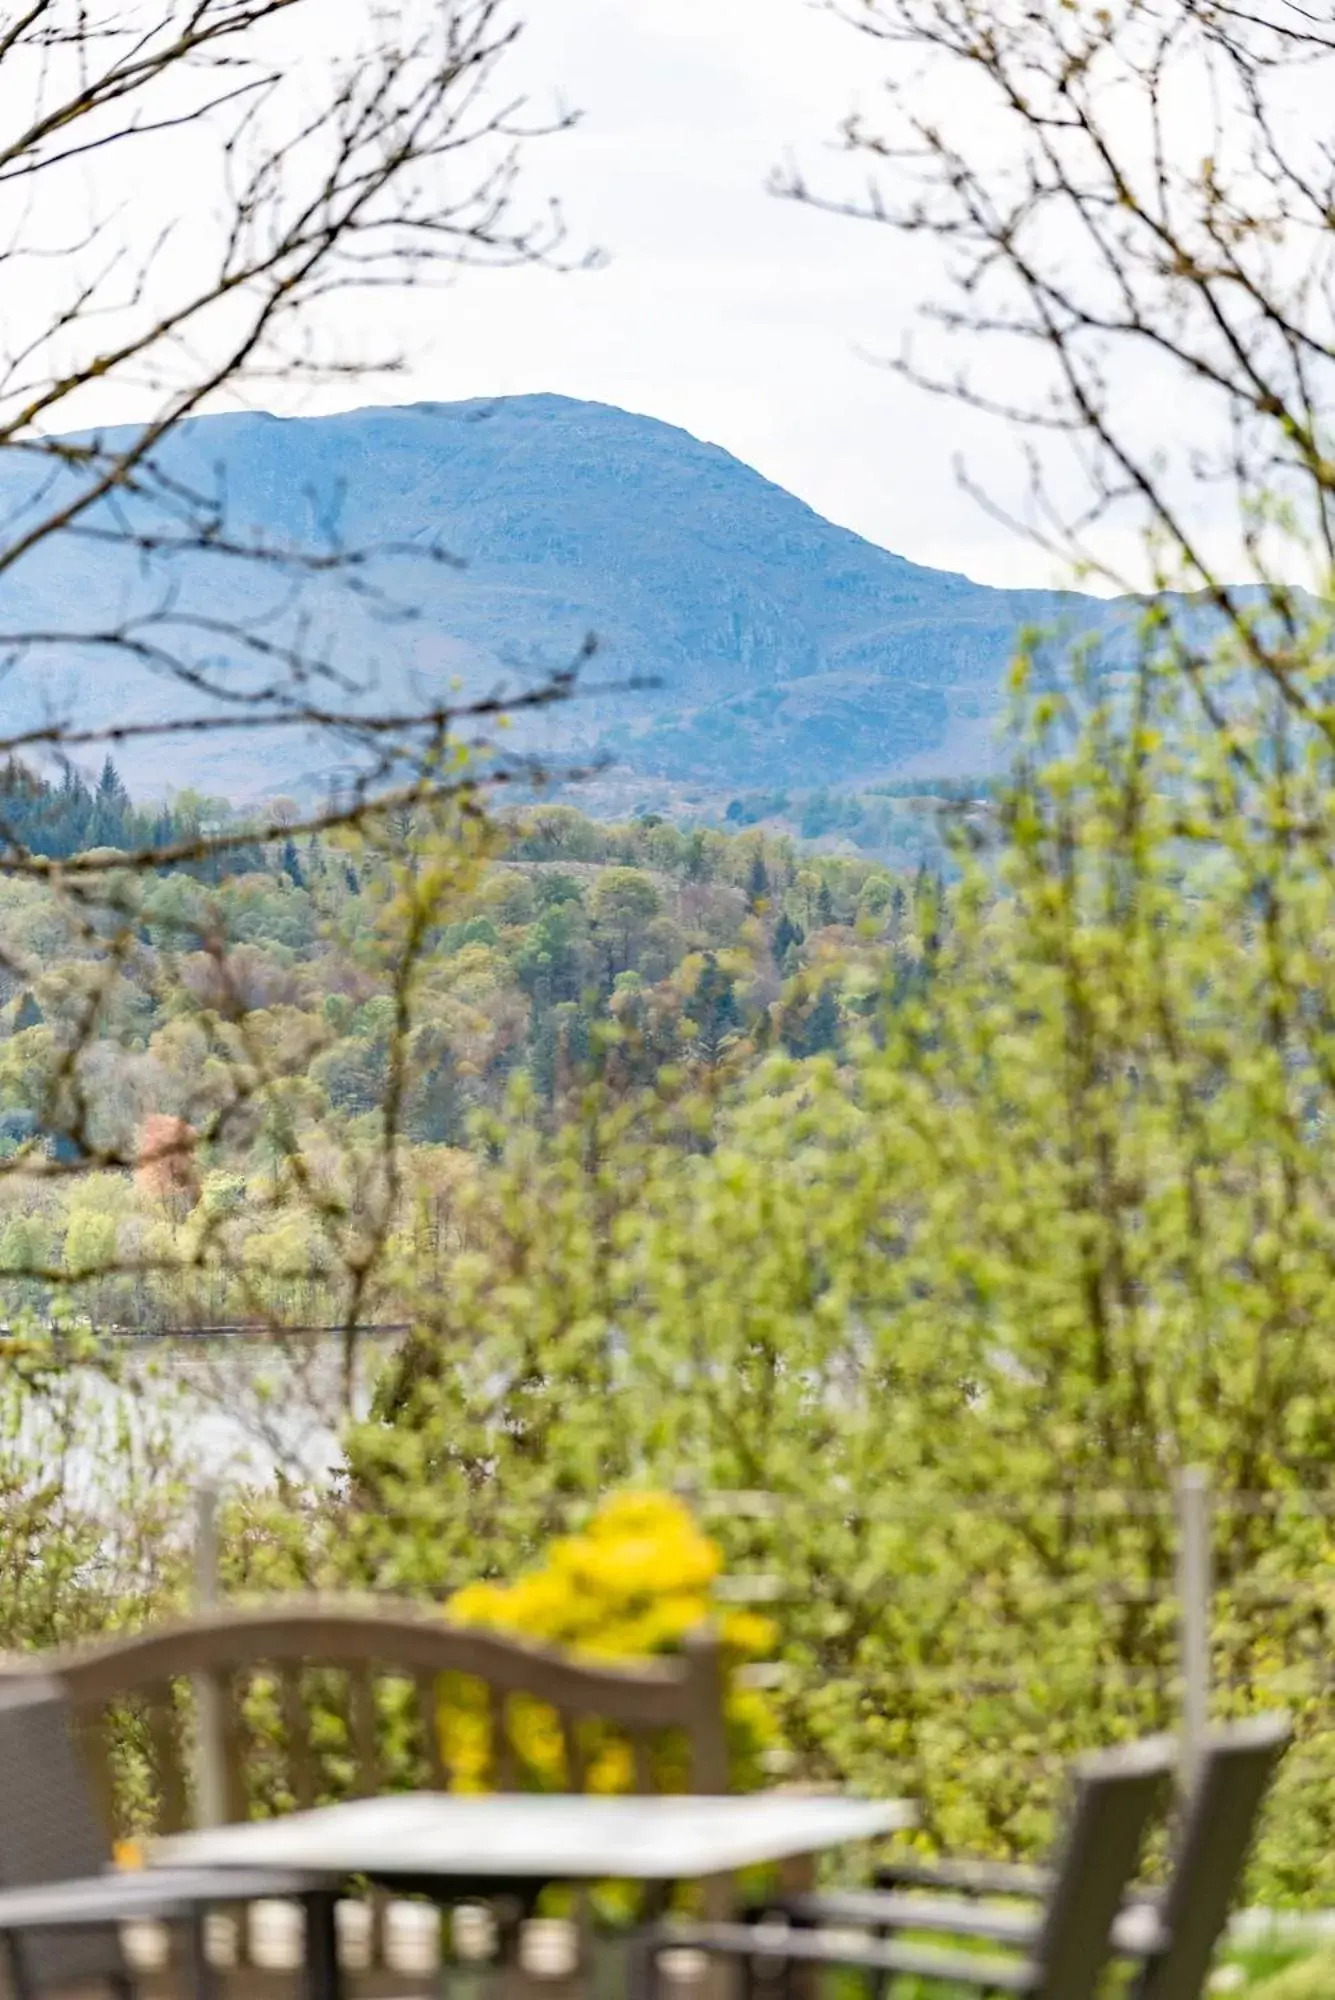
[(884, 818), (69, 815)]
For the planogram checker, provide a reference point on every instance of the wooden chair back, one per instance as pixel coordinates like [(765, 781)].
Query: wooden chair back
[(312, 1700), (1234, 1771), (1116, 1792), (1063, 1958), (49, 1832)]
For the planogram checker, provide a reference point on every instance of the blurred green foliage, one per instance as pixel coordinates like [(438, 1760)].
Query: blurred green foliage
[(952, 1220)]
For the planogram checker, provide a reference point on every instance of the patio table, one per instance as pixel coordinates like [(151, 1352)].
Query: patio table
[(512, 1839), (454, 1847)]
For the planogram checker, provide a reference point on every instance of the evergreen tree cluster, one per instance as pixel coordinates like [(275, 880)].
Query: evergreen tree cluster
[(57, 817), (71, 815)]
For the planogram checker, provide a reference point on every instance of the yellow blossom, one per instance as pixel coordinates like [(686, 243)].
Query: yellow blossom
[(634, 1583)]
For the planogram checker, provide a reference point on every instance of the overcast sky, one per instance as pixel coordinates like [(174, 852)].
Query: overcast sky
[(751, 322), (761, 325)]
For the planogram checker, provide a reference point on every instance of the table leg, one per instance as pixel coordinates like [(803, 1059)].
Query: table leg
[(797, 1875), (719, 1900), (20, 1976), (618, 1967), (641, 1966), (203, 1978), (323, 1973)]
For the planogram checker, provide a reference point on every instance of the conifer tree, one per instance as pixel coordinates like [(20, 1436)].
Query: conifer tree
[(787, 936)]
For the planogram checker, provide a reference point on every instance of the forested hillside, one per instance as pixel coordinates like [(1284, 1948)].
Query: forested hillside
[(625, 953)]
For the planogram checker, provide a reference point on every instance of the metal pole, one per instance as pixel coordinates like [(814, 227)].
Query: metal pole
[(1195, 1588), (210, 1786)]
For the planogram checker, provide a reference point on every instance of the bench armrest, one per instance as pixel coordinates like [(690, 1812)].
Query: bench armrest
[(967, 1878), (745, 1941), (152, 1892)]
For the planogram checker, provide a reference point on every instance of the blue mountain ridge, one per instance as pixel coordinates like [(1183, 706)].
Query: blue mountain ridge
[(789, 651)]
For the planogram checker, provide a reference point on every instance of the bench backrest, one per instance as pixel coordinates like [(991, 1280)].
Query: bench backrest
[(309, 1700)]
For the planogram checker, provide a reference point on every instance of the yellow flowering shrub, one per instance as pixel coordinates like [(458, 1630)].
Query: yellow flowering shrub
[(633, 1584)]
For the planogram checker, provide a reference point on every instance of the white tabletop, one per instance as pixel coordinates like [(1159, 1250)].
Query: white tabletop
[(550, 1837)]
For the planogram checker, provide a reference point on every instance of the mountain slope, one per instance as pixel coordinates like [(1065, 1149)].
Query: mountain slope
[(790, 651)]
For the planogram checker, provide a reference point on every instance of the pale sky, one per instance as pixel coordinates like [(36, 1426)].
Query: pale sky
[(749, 321), (754, 323)]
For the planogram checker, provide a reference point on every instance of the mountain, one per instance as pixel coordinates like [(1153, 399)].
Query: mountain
[(789, 652)]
